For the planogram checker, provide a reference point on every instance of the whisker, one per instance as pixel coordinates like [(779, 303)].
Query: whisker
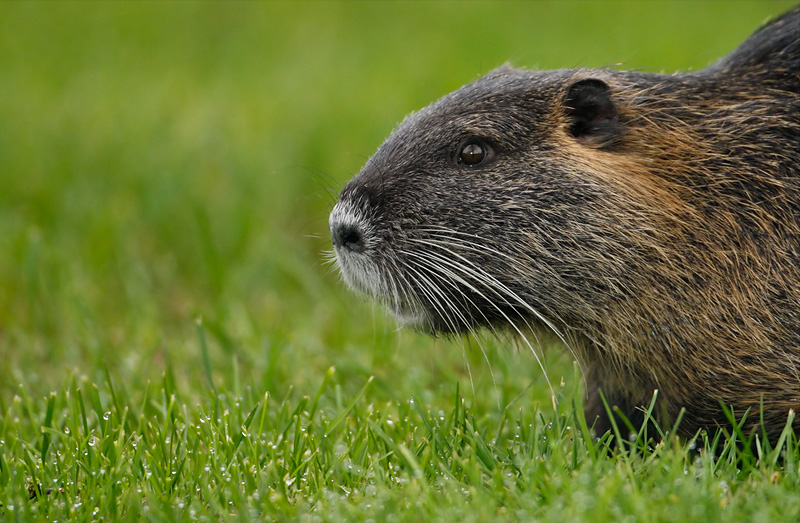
[(526, 305), (513, 325), (497, 284), (436, 271)]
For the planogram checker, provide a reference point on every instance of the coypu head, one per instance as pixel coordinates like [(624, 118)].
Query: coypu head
[(467, 214)]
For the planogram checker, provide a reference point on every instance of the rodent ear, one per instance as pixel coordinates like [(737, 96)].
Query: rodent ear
[(593, 118)]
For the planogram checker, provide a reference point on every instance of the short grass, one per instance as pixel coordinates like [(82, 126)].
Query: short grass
[(172, 346)]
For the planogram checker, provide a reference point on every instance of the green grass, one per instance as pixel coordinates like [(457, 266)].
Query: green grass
[(169, 332)]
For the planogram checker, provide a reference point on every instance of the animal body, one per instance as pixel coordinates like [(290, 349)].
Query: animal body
[(650, 221)]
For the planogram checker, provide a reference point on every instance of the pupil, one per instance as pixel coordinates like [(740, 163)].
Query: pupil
[(472, 154)]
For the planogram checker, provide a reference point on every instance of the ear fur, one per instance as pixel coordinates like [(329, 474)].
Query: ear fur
[(592, 117)]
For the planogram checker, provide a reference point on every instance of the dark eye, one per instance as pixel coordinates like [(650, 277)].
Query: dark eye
[(473, 153)]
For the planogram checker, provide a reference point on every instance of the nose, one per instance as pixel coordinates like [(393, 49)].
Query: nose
[(348, 236)]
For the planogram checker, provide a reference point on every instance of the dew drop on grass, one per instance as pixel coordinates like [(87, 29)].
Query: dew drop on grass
[(106, 415)]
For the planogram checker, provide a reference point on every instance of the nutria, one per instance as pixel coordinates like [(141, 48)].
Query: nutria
[(651, 221)]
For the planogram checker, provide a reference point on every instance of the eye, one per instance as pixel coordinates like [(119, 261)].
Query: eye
[(473, 153)]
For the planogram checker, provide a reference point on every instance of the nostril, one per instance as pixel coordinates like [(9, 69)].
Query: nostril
[(348, 237)]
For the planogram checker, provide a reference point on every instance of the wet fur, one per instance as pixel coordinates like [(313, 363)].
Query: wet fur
[(662, 245)]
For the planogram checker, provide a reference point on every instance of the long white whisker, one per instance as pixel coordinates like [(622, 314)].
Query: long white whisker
[(462, 281), (480, 275), (446, 316), (499, 284), (437, 270), (437, 298), (480, 248)]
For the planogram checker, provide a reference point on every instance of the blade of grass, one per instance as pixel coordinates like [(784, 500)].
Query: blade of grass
[(48, 421)]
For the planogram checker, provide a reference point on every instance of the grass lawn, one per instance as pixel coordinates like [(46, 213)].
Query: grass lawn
[(172, 345)]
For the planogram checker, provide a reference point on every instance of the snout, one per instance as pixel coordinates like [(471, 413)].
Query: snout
[(349, 229), (354, 243)]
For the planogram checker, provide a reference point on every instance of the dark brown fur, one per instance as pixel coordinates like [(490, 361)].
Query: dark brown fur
[(653, 221)]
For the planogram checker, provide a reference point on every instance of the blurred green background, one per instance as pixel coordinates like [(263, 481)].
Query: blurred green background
[(163, 162)]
